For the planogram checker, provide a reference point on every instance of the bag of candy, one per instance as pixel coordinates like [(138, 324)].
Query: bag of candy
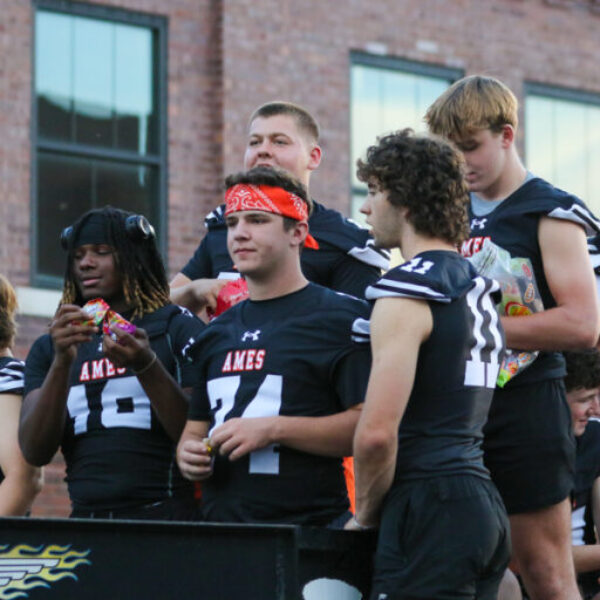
[(520, 296)]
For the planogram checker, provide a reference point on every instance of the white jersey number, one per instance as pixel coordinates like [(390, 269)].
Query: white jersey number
[(119, 402), (487, 336), (266, 403)]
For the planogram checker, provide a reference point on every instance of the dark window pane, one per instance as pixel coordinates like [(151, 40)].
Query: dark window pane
[(64, 194), (130, 187)]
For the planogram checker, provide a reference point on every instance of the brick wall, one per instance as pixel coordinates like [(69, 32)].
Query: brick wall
[(226, 58)]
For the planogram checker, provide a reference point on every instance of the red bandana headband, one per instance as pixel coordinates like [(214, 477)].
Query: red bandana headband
[(270, 199)]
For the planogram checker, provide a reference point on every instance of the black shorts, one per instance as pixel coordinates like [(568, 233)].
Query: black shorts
[(445, 537), (529, 446)]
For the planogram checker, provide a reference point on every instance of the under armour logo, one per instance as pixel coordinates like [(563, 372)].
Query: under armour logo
[(251, 335), (478, 223)]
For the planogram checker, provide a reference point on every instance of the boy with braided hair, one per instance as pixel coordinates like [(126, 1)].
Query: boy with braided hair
[(114, 400)]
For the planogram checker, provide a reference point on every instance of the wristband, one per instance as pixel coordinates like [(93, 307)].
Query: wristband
[(144, 369)]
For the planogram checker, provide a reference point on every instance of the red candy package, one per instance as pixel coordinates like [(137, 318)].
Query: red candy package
[(231, 293), (114, 318), (97, 310)]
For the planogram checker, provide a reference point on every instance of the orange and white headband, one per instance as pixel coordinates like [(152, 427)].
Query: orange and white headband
[(270, 199)]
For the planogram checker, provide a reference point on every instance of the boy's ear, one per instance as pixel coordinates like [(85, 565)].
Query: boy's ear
[(508, 135)]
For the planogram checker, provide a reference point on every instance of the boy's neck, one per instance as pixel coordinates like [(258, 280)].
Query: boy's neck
[(511, 179)]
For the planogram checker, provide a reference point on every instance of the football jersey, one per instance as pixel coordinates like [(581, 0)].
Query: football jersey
[(116, 451), (304, 354), (11, 380), (513, 225), (441, 430), (594, 251), (347, 259)]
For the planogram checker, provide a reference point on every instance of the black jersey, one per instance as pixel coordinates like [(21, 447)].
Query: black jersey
[(513, 225), (116, 451), (303, 354), (587, 470), (594, 250), (346, 261), (11, 380), (11, 375), (441, 430)]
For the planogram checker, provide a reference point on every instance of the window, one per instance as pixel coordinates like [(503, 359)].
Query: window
[(562, 140), (387, 95), (98, 124)]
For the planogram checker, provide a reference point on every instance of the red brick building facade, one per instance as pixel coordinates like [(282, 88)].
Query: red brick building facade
[(223, 59)]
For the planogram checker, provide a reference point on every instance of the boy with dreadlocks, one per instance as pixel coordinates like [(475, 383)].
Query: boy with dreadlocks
[(115, 402)]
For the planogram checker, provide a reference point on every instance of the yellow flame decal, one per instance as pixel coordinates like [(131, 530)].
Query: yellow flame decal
[(25, 567)]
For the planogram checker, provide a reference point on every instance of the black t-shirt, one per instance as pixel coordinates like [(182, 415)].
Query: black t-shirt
[(303, 354), (347, 260), (116, 451), (513, 225), (441, 430), (11, 381)]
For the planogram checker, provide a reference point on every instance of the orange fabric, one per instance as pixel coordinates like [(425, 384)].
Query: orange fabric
[(349, 475), (270, 199)]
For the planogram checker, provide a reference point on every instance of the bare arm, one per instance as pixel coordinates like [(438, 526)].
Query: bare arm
[(398, 328), (43, 412), (574, 323), (193, 456), (22, 482), (196, 295), (586, 558), (169, 401), (327, 436)]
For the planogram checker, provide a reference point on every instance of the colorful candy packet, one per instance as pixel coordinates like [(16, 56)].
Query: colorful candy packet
[(97, 309), (114, 318)]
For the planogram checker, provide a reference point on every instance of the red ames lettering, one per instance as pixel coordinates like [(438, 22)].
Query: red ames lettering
[(226, 368), (238, 360), (260, 360), (473, 245), (244, 360), (85, 372), (100, 369)]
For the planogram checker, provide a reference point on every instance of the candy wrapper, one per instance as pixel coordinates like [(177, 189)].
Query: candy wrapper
[(114, 318), (97, 310), (231, 293), (520, 296)]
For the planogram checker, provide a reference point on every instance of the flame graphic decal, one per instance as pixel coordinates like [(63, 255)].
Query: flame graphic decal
[(25, 567)]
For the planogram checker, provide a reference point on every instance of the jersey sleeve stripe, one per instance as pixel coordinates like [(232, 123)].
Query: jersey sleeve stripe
[(371, 255), (390, 288), (11, 377), (577, 214), (361, 331)]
